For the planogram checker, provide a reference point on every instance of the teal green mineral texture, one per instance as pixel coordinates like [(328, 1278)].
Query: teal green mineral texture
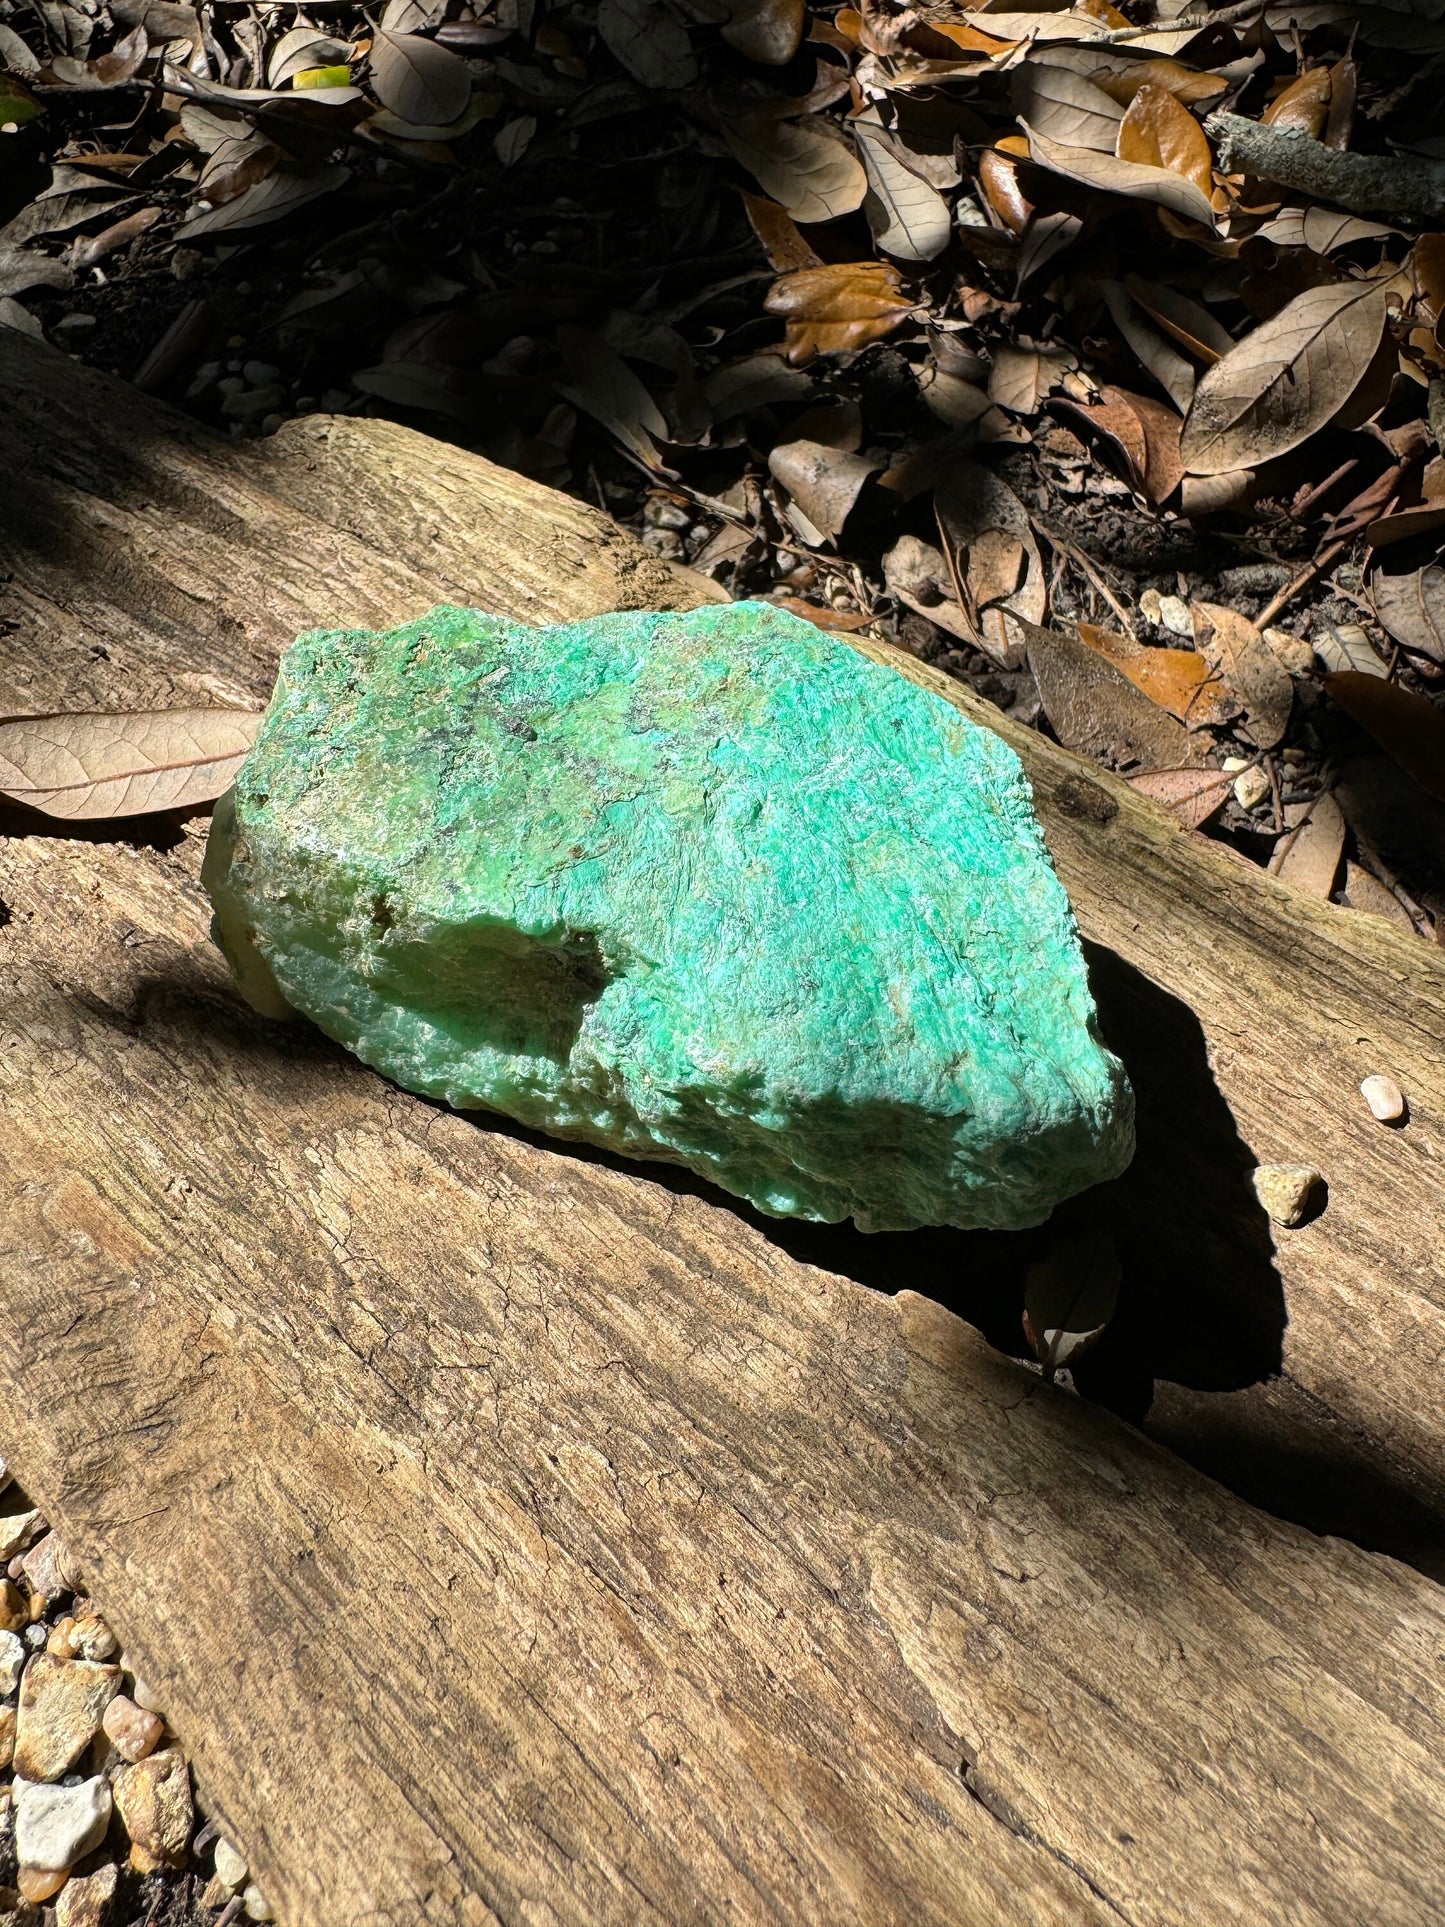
[(708, 887)]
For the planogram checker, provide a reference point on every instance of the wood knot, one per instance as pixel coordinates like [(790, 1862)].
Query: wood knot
[(1076, 796)]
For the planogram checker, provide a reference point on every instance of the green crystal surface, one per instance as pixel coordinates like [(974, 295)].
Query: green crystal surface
[(709, 887)]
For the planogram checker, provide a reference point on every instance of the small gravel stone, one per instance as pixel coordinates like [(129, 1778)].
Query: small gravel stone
[(7, 1735), (1285, 1191), (61, 1704), (91, 1638), (255, 1904), (14, 1608), (1251, 786), (87, 1902), (214, 1894), (1174, 616), (186, 262), (131, 1730), (1384, 1097), (230, 385), (74, 324), (145, 1696), (153, 1798), (55, 1825), (17, 1529), (231, 1867), (12, 1662), (49, 1567), (250, 404), (260, 374), (36, 1636), (37, 1884), (336, 401), (17, 1911)]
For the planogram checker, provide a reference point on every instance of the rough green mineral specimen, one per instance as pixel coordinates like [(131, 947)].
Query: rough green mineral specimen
[(708, 887)]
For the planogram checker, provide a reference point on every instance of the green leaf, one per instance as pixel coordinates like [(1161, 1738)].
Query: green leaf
[(17, 104)]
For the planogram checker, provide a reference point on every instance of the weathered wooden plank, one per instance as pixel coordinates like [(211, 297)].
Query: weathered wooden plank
[(1247, 1012), (517, 1536)]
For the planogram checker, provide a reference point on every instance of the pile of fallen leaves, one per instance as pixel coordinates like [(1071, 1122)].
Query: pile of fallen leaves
[(1092, 352)]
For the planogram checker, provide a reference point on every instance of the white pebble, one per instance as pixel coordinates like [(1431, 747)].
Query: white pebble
[(144, 1696), (231, 1868), (1174, 615), (1384, 1097), (55, 1825), (12, 1662), (255, 1903)]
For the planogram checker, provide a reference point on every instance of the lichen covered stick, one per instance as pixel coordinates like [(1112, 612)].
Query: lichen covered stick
[(710, 887)]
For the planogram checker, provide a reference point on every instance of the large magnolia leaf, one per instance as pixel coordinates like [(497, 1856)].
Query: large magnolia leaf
[(1066, 106), (650, 41), (1411, 605), (94, 765), (909, 219), (1321, 228), (1110, 175), (1286, 379), (810, 171), (822, 482), (418, 79), (301, 48), (1406, 726), (1159, 131)]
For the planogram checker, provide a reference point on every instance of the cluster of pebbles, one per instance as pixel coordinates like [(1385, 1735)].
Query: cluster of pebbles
[(98, 1823)]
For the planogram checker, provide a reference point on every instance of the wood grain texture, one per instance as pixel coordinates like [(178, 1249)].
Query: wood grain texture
[(520, 1536), (151, 565)]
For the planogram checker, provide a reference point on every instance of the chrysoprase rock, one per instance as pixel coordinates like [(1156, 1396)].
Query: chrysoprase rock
[(708, 887)]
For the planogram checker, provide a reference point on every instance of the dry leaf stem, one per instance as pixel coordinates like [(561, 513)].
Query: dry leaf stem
[(1086, 568), (1326, 559)]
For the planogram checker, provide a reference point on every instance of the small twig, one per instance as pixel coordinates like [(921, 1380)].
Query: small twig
[(1323, 561), (1081, 562), (230, 1912), (1399, 187)]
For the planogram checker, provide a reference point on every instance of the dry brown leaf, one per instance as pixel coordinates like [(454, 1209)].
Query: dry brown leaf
[(1234, 648), (998, 180), (823, 483), (1409, 728), (418, 79), (1065, 106), (1158, 131), (1411, 606), (1366, 893), (843, 306), (1308, 854), (1321, 229), (1164, 465), (776, 229), (837, 621), (1302, 106), (1288, 378), (1179, 680), (768, 31), (974, 510), (1194, 796), (1119, 425), (1094, 708), (909, 218), (650, 41), (1133, 179), (919, 576), (811, 171), (1169, 368), (1124, 79), (1017, 379), (92, 765), (603, 386), (1188, 321)]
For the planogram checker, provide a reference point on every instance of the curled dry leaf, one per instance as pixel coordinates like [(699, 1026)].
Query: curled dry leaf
[(908, 217), (1188, 321), (778, 233), (1288, 378), (1308, 854), (1121, 78), (1179, 680), (272, 199), (1194, 796), (1407, 727), (94, 765), (1169, 368), (301, 48), (418, 79), (1303, 105), (918, 575), (989, 543), (603, 386), (1410, 604), (1321, 229), (1094, 707), (768, 31), (1236, 651), (832, 309), (822, 482), (1070, 1297), (810, 171), (1158, 131), (1110, 175)]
